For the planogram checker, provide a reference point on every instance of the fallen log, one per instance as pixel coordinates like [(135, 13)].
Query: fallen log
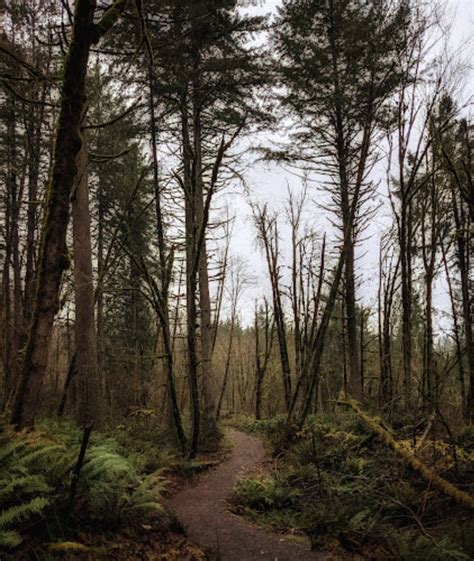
[(461, 497)]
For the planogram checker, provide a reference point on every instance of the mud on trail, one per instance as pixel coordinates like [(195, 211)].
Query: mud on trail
[(204, 513)]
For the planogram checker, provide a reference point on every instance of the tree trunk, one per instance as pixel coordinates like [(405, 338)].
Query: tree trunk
[(86, 359), (262, 359), (355, 379), (206, 328), (405, 260), (34, 159), (233, 318), (456, 333), (464, 252), (227, 366), (191, 284), (429, 356), (164, 316), (99, 295)]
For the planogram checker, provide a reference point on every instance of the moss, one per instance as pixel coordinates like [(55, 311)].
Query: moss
[(354, 491), (108, 20), (426, 472)]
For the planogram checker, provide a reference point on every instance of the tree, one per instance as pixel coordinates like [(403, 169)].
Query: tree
[(26, 63), (262, 352), (54, 257), (267, 228), (86, 358), (337, 82), (206, 80), (452, 153)]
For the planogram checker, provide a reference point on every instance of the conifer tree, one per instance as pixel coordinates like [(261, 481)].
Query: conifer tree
[(338, 68)]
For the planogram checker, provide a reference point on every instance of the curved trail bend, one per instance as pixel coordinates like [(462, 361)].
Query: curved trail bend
[(203, 511)]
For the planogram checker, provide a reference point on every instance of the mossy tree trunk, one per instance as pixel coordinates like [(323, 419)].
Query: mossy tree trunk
[(434, 480)]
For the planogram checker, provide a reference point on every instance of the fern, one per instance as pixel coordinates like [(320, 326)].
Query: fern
[(114, 488), (10, 538), (145, 497), (28, 484), (27, 465), (39, 453), (107, 464), (9, 447), (35, 475), (19, 513)]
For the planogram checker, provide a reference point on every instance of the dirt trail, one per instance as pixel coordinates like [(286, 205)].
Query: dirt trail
[(203, 511)]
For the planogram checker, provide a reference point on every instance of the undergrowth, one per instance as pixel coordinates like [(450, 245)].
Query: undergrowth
[(339, 485), (120, 486)]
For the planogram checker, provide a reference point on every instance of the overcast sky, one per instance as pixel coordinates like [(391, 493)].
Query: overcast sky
[(271, 183)]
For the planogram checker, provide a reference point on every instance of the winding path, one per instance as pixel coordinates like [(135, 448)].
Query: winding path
[(202, 509)]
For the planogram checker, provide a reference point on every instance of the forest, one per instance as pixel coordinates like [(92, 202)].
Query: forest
[(236, 244)]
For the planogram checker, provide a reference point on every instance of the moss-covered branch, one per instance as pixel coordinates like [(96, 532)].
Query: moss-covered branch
[(109, 19), (426, 472)]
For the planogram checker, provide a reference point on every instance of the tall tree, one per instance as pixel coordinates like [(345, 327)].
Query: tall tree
[(86, 357), (452, 150), (206, 76), (337, 82), (267, 229), (54, 255)]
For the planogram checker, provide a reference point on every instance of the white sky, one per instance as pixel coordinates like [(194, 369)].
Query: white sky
[(270, 183)]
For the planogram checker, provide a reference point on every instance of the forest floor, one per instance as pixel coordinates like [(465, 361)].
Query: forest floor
[(204, 512)]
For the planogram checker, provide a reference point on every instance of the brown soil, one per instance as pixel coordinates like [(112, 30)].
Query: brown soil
[(203, 511)]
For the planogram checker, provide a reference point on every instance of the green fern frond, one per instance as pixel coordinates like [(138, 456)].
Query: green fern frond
[(23, 485), (18, 513), (39, 453), (10, 538), (103, 462), (10, 447)]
